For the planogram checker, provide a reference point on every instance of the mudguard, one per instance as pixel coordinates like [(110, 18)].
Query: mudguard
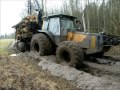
[(49, 34)]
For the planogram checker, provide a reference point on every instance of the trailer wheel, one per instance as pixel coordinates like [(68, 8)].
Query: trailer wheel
[(41, 44), (71, 53), (21, 46)]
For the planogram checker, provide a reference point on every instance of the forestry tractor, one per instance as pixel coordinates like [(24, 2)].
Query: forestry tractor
[(59, 35)]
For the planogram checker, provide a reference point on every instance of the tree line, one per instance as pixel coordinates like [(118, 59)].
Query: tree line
[(6, 36), (99, 15)]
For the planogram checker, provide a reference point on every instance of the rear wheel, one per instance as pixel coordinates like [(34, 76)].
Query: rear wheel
[(41, 44), (71, 53)]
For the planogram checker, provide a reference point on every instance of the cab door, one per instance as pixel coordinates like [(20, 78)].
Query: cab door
[(67, 29)]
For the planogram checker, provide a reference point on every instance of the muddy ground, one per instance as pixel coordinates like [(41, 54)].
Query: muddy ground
[(22, 73), (102, 74), (27, 71)]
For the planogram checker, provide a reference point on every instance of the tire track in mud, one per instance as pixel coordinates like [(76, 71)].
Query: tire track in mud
[(112, 69), (94, 76)]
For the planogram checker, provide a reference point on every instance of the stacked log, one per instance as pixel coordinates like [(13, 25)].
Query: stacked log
[(27, 27)]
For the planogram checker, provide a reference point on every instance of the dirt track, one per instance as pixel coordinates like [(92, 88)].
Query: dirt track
[(93, 75)]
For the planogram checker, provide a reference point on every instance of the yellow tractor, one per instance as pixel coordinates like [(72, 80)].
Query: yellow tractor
[(59, 34)]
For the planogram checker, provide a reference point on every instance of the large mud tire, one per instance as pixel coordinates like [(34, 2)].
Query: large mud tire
[(71, 53), (41, 45)]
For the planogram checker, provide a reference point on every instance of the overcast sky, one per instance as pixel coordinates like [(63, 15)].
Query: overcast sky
[(10, 12)]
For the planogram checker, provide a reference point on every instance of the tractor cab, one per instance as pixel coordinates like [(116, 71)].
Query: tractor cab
[(59, 26)]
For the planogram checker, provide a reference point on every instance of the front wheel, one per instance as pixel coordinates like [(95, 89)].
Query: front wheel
[(71, 53)]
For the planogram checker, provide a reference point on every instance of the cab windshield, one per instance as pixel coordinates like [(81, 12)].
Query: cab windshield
[(67, 24)]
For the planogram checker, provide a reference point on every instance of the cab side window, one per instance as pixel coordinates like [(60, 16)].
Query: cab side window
[(54, 26)]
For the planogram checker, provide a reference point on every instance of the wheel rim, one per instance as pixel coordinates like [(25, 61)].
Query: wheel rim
[(66, 56), (36, 47)]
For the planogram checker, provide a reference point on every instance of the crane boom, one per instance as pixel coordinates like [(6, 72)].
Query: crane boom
[(29, 7), (37, 5), (34, 4)]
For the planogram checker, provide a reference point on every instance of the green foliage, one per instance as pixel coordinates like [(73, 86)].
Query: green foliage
[(113, 15)]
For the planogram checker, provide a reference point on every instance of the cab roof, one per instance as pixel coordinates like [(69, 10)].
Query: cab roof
[(59, 15)]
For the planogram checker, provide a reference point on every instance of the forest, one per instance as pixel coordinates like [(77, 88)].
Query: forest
[(8, 36), (99, 15)]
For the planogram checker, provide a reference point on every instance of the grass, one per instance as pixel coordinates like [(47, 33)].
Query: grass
[(22, 73), (4, 46)]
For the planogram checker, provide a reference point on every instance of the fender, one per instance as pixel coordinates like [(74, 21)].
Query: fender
[(49, 34)]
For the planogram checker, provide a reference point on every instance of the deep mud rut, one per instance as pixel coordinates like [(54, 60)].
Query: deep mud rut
[(95, 75), (102, 74)]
